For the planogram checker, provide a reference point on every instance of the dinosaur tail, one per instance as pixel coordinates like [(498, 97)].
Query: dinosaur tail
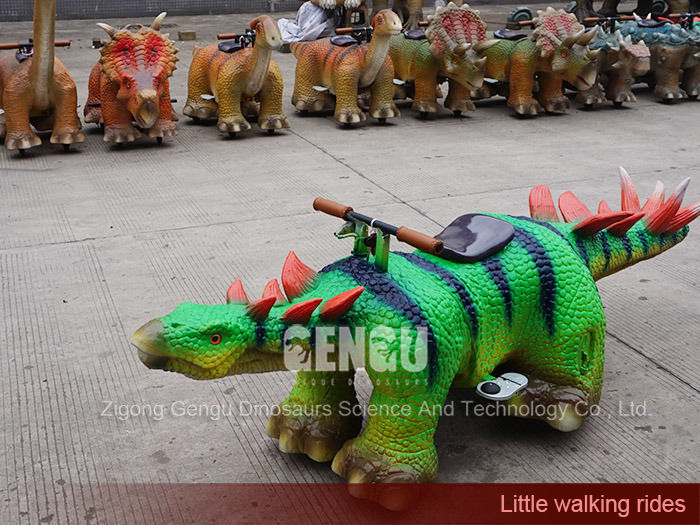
[(610, 241)]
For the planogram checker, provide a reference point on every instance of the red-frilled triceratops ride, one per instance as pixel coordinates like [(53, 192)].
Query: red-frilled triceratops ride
[(489, 290), (37, 90), (556, 52), (228, 80), (130, 84)]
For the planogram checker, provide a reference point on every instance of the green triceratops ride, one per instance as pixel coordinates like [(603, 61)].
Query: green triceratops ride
[(490, 291)]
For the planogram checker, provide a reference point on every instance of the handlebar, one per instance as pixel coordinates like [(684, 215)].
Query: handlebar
[(18, 45)]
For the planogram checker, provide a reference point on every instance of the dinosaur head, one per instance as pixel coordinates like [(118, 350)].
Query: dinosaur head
[(564, 42), (267, 33), (386, 23), (139, 62), (457, 37), (211, 341)]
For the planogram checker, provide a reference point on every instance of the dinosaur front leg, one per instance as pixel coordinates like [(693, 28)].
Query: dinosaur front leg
[(425, 97), (346, 109), (397, 444), (415, 14), (164, 126), (117, 119), (229, 87), (93, 114), (551, 94), (271, 116), (66, 127), (521, 83), (591, 96), (17, 103), (198, 85), (382, 94), (458, 98), (691, 81), (318, 416)]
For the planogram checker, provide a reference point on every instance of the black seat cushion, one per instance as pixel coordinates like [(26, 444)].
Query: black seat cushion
[(507, 34), (230, 46), (474, 237), (650, 22), (343, 40), (414, 34)]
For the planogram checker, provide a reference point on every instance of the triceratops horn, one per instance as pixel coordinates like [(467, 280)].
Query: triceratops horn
[(463, 48), (481, 62), (585, 38), (484, 45), (236, 294), (593, 54), (158, 21), (572, 39), (111, 31)]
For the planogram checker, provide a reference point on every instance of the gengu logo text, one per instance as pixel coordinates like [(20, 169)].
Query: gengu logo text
[(340, 349)]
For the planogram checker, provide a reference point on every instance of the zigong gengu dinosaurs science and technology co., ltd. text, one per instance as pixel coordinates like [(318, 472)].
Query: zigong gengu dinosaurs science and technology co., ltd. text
[(468, 407)]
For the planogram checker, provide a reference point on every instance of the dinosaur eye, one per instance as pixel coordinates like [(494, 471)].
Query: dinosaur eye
[(127, 84), (215, 339), (564, 53)]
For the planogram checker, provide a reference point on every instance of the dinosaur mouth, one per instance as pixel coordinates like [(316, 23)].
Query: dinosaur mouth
[(147, 115), (583, 83)]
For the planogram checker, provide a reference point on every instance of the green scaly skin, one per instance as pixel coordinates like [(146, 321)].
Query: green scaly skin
[(533, 305)]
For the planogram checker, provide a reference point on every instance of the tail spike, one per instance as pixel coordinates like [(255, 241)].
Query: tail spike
[(684, 217), (301, 312), (596, 223), (541, 204), (655, 200), (259, 309), (572, 209), (658, 221), (272, 289), (620, 228), (630, 198), (236, 294), (297, 278), (339, 305), (604, 207)]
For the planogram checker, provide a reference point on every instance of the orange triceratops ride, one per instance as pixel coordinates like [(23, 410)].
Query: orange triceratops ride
[(226, 83), (130, 84), (38, 90), (325, 69)]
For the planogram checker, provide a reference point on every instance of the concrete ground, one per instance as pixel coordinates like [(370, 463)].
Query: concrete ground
[(96, 242)]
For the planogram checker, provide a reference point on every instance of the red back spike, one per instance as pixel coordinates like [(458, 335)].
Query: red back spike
[(300, 313), (259, 309), (684, 217), (620, 228), (236, 293), (630, 199), (572, 209), (658, 221), (297, 278), (604, 207), (655, 200), (272, 289), (339, 305), (541, 204), (596, 223)]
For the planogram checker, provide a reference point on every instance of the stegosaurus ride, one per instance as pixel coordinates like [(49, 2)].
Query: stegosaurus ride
[(130, 84), (225, 84), (556, 52), (332, 76), (451, 49), (37, 90), (675, 52), (489, 290), (620, 63)]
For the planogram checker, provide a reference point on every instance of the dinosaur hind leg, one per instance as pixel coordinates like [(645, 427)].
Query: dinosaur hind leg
[(3, 128), (93, 114), (66, 127), (198, 85), (17, 105)]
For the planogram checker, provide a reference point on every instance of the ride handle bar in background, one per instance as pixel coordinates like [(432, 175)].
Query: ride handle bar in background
[(416, 239), (19, 45)]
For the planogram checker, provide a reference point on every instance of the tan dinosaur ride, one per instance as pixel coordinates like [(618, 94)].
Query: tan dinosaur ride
[(38, 91), (130, 84), (410, 11), (219, 82), (325, 69)]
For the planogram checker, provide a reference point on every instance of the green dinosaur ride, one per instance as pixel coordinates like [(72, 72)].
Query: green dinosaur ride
[(490, 290)]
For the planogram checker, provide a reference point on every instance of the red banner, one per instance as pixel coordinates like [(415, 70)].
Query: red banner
[(219, 504)]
